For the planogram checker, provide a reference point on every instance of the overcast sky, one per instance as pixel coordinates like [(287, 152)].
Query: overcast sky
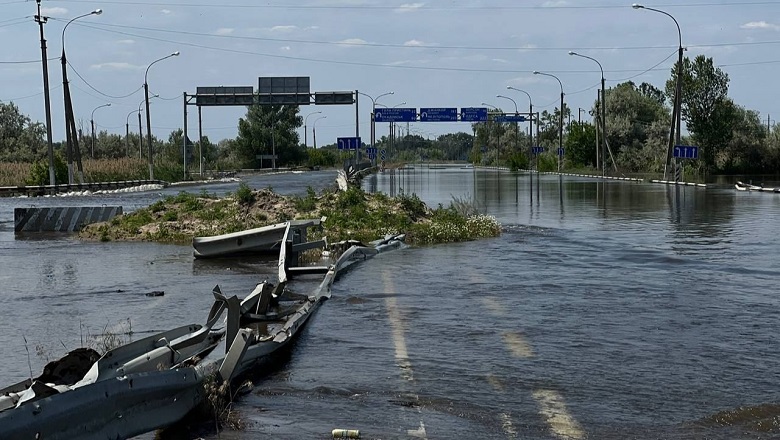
[(435, 53)]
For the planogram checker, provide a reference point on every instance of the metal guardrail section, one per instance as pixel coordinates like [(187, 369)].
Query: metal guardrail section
[(44, 190), (68, 219)]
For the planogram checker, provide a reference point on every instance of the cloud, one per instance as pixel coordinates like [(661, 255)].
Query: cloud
[(353, 42), (499, 60), (224, 31), (523, 80), (127, 41), (53, 11), (413, 43), (285, 48), (555, 4), (115, 66), (166, 11), (285, 28), (409, 7), (760, 25)]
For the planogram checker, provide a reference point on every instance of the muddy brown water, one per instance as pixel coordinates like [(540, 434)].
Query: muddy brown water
[(604, 311)]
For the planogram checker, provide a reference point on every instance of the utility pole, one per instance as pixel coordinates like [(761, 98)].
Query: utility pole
[(41, 20)]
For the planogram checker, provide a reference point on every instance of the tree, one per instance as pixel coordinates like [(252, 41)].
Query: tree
[(267, 128), (581, 144), (633, 121), (705, 106), (21, 140)]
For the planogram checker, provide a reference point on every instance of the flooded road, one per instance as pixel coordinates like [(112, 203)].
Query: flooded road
[(604, 311)]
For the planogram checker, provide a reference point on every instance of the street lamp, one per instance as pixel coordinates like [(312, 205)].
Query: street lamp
[(392, 125), (517, 131), (41, 20), (373, 110), (676, 108), (603, 116), (530, 112), (560, 129), (305, 131), (140, 131), (314, 129), (498, 146), (127, 132), (70, 124), (92, 123), (148, 117)]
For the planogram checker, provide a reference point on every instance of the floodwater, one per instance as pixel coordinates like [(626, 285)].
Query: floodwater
[(606, 310)]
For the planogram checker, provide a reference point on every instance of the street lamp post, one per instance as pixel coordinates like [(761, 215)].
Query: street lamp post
[(305, 131), (148, 117), (603, 116), (314, 129), (498, 144), (560, 129), (530, 116), (391, 132), (127, 133), (41, 20), (517, 130), (373, 110), (676, 118), (71, 136), (92, 123)]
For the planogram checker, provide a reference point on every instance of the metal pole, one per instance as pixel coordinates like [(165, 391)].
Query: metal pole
[(560, 136), (92, 123), (314, 132), (273, 143), (357, 125), (603, 125), (140, 136), (68, 134), (41, 20), (200, 140), (184, 141), (127, 137), (148, 130)]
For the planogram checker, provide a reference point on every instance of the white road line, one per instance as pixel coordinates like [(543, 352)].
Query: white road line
[(509, 428), (401, 352), (495, 382), (493, 306), (518, 345), (553, 408)]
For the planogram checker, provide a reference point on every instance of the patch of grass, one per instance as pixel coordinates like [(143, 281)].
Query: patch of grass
[(308, 203), (244, 194)]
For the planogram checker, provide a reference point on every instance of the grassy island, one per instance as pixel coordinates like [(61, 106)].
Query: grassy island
[(352, 214)]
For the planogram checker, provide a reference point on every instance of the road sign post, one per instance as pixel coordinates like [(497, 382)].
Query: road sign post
[(348, 143), (395, 114)]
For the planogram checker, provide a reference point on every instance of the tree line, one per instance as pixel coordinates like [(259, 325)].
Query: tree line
[(732, 138)]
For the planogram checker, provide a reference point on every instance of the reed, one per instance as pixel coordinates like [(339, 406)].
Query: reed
[(13, 173)]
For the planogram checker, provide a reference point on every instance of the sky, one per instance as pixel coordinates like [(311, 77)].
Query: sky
[(434, 53)]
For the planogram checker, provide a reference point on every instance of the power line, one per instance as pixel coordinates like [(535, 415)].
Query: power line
[(422, 7), (98, 91), (33, 95), (420, 46)]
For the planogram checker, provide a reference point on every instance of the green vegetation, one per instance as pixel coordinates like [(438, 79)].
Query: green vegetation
[(732, 138), (352, 214)]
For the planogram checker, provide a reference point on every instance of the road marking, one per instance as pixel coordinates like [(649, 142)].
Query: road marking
[(518, 345), (509, 428), (495, 307), (401, 352), (553, 409), (399, 341), (495, 383)]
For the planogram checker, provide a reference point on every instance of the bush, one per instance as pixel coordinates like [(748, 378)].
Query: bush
[(39, 171), (244, 194)]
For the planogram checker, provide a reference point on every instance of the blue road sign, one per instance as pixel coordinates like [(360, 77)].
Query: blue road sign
[(561, 151), (686, 152), (438, 114), (474, 114), (348, 143), (372, 156), (537, 150), (509, 118), (371, 150), (397, 114)]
